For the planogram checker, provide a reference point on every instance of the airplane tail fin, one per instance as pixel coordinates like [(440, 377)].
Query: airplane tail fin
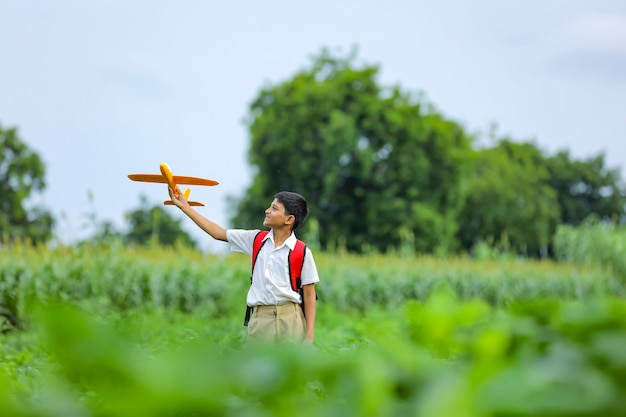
[(191, 203), (186, 194)]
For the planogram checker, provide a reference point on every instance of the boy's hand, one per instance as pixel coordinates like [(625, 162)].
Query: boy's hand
[(308, 344), (177, 198), (216, 231)]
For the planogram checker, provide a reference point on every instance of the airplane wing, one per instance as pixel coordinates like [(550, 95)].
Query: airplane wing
[(178, 179), (166, 177), (147, 177), (181, 179)]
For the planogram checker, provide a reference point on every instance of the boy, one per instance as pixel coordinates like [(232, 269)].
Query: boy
[(277, 313)]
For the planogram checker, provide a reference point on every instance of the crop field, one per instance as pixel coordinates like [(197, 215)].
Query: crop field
[(118, 331)]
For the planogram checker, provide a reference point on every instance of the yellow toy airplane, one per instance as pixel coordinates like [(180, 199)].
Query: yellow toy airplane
[(166, 176)]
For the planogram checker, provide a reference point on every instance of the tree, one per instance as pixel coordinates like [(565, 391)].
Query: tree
[(374, 163), (22, 173), (154, 224), (586, 188), (510, 202)]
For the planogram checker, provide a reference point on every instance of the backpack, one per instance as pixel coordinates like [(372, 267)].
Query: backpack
[(295, 259)]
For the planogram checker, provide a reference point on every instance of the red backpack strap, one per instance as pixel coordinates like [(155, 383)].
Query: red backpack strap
[(296, 262), (256, 248)]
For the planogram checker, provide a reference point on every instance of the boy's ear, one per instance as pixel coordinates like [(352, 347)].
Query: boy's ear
[(290, 219)]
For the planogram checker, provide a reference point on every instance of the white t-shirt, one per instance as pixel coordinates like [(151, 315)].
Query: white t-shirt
[(270, 279)]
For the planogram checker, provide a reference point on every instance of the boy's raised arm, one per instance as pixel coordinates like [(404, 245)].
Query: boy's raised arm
[(216, 231)]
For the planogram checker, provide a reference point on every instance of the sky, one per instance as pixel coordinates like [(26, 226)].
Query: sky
[(104, 88)]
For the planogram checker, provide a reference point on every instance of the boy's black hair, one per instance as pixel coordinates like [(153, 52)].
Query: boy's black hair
[(294, 205)]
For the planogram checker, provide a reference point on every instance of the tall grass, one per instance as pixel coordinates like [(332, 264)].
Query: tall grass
[(185, 280), (594, 243), (352, 282), (119, 278)]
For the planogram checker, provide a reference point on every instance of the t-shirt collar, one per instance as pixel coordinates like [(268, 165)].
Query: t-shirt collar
[(290, 242)]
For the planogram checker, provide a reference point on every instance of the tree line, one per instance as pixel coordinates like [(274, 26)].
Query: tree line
[(380, 167)]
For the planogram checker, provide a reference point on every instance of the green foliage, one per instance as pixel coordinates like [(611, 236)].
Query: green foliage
[(396, 336), (114, 331), (371, 161), (586, 187), (510, 202), (155, 225), (440, 357), (517, 196), (593, 243), (22, 173)]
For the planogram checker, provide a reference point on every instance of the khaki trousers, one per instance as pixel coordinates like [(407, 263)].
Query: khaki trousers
[(283, 322)]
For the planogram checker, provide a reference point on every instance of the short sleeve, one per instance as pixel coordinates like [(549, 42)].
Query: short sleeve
[(309, 269), (241, 240)]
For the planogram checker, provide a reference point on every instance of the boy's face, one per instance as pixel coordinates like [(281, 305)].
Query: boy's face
[(275, 216)]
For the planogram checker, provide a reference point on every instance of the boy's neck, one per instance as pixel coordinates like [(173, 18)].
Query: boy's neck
[(280, 236)]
